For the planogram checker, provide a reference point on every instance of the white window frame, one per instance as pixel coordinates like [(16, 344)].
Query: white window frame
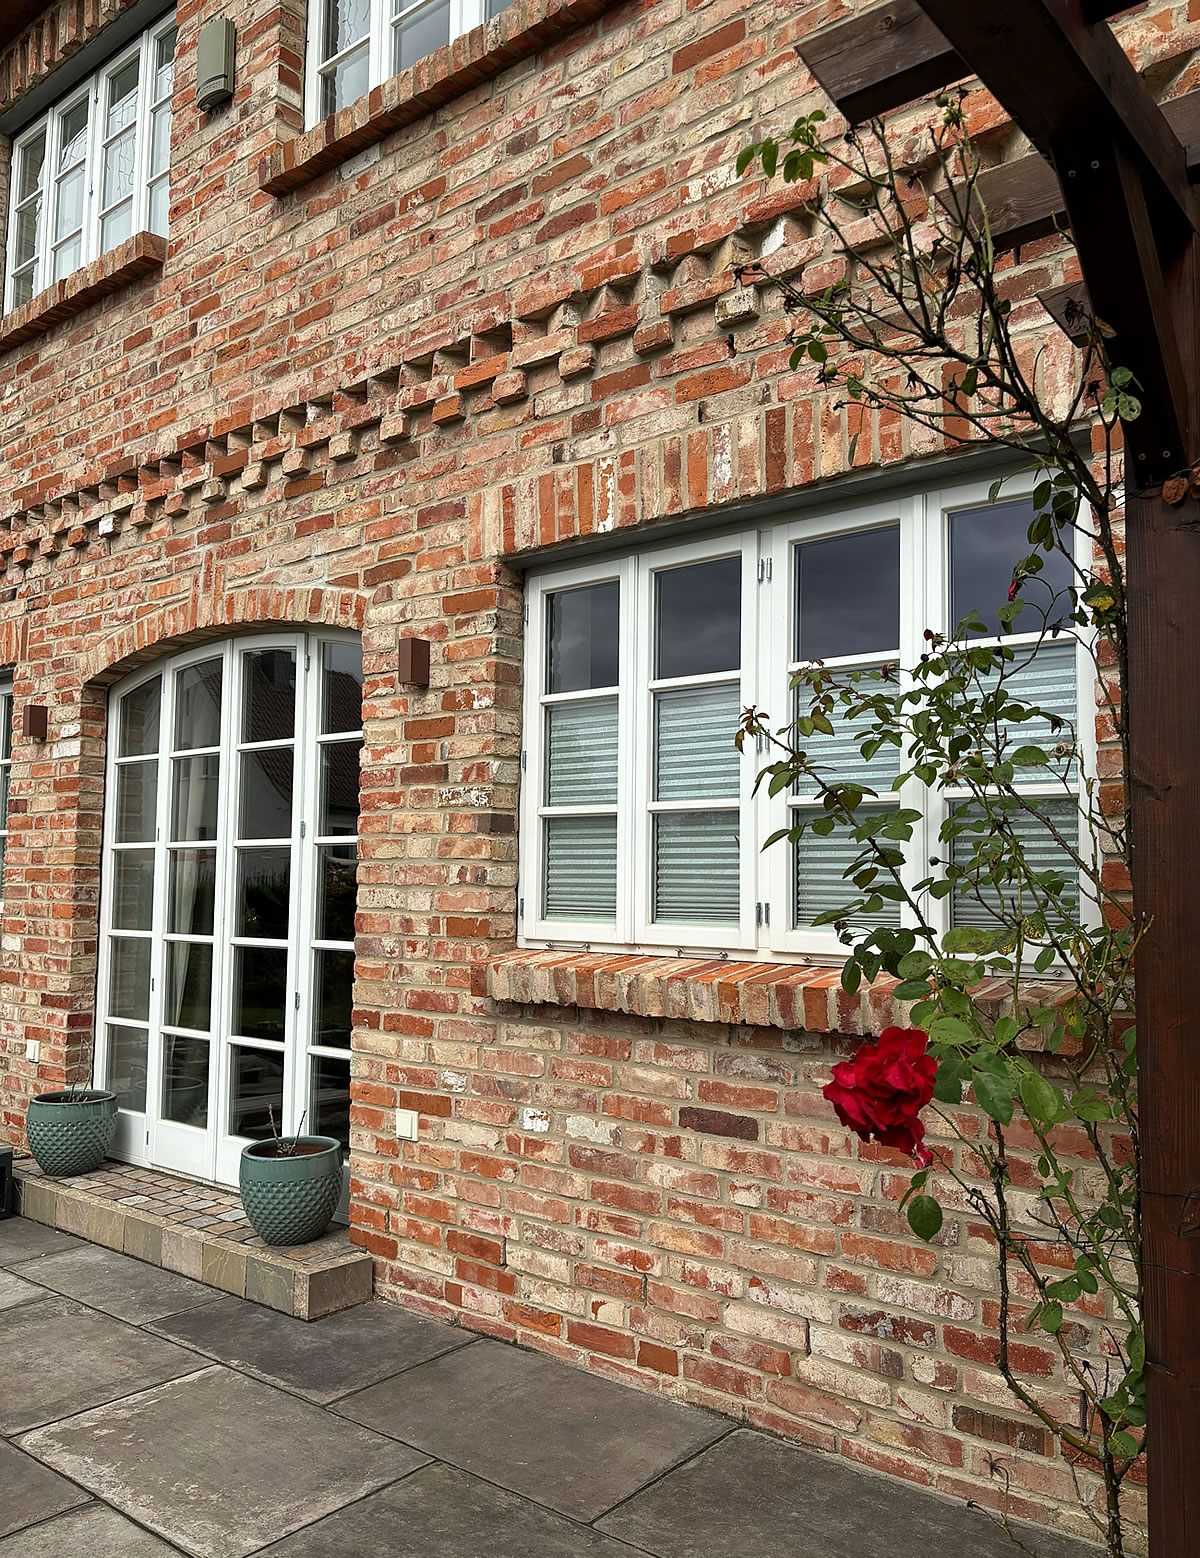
[(765, 928), (149, 1137), (92, 91), (464, 15)]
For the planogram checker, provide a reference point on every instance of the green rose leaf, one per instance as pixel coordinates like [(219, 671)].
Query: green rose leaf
[(994, 1096), (924, 1217)]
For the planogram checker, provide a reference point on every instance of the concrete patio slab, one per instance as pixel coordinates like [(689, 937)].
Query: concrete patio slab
[(220, 1464), (94, 1532), (15, 1290), (60, 1358), (342, 1353), (568, 1440), (443, 1513), (30, 1491), (751, 1494), (21, 1240), (116, 1284)]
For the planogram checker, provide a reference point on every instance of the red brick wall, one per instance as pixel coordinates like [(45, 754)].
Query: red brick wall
[(509, 321)]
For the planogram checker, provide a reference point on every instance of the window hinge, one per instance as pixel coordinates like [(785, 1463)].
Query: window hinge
[(520, 908), (766, 913), (525, 614), (764, 570), (758, 913), (522, 759), (296, 1003), (308, 662), (303, 829), (762, 913)]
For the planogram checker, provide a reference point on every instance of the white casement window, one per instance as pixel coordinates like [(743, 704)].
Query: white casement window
[(227, 913), (640, 829), (354, 45), (94, 169), (6, 719)]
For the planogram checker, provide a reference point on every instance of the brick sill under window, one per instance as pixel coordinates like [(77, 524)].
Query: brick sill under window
[(762, 995), (455, 68), (137, 255)]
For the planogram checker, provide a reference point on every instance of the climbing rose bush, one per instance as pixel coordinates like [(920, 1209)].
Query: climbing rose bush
[(881, 1091)]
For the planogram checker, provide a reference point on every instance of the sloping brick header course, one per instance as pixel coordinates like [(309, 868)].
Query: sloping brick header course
[(762, 995), (457, 66), (137, 255)]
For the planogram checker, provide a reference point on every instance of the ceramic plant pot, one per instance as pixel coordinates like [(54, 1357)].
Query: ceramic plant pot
[(70, 1133), (290, 1197)]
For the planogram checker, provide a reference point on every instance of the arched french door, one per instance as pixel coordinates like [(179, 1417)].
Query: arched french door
[(227, 906)]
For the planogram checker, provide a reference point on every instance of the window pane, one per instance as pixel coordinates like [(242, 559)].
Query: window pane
[(185, 1080), (160, 138), (582, 632), (129, 978), (1045, 680), (198, 706), (337, 890), (122, 98), (329, 1098), (581, 868), (164, 63), (263, 888), (259, 992), (339, 787), (139, 719), (266, 810), (345, 22), (839, 756), (820, 882), (494, 7), (116, 227), (6, 724), (194, 804), (33, 160), (695, 757), (66, 259), (426, 31), (333, 983), (699, 618), (268, 695), (189, 985), (159, 207), (25, 239), (127, 1067), (70, 203), (73, 131), (118, 169), (5, 782), (23, 286), (136, 803), (341, 692), (848, 595), (979, 906), (255, 1093), (193, 890), (581, 753), (985, 543), (697, 868), (346, 81), (133, 889)]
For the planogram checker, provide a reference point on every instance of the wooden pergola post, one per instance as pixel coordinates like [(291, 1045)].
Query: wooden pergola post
[(1119, 168)]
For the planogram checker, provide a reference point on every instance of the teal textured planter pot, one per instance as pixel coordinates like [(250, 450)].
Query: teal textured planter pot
[(289, 1200), (70, 1133)]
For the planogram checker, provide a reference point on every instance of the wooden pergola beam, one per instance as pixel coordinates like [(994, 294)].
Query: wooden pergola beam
[(874, 62)]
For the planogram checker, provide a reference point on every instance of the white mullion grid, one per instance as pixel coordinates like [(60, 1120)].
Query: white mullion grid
[(647, 931), (104, 140), (35, 266), (57, 175)]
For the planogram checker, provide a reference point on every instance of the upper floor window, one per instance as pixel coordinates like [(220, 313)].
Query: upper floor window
[(94, 169), (353, 45), (640, 826)]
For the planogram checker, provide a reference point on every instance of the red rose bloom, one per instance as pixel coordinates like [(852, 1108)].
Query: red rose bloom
[(881, 1092)]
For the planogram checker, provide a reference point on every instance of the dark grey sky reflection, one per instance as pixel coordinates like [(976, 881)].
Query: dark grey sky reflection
[(848, 594), (985, 544), (699, 619)]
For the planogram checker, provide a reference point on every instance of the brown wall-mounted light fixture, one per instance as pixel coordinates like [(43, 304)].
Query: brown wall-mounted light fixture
[(412, 661), (35, 721)]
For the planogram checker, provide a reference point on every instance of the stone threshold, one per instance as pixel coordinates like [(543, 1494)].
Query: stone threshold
[(200, 1231)]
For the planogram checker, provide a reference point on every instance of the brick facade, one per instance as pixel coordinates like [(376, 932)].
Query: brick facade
[(379, 367)]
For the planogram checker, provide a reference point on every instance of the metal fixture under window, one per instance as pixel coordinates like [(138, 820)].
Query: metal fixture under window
[(215, 63)]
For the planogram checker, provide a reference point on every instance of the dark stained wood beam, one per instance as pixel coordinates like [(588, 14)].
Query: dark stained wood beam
[(16, 15), (1071, 310), (874, 62)]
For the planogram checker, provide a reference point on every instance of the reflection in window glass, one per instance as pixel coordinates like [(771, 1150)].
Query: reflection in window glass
[(129, 978), (187, 1002), (333, 984), (848, 595), (341, 688), (985, 545), (133, 889), (193, 891), (266, 809), (339, 787), (582, 638), (139, 727), (194, 802), (337, 891), (135, 803), (185, 1080), (269, 695), (198, 706), (260, 992), (127, 1049), (330, 1098), (264, 882), (256, 1092), (699, 618)]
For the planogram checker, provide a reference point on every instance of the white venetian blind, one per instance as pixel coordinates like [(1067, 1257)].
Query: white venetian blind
[(581, 868), (581, 753), (1043, 680), (696, 867), (1042, 852), (695, 755), (821, 881)]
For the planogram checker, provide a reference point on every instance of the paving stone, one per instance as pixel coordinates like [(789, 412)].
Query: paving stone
[(117, 1284), (60, 1358), (22, 1240), (220, 1464), (30, 1491), (573, 1442), (321, 1359), (14, 1289), (751, 1494), (94, 1531), (443, 1513)]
